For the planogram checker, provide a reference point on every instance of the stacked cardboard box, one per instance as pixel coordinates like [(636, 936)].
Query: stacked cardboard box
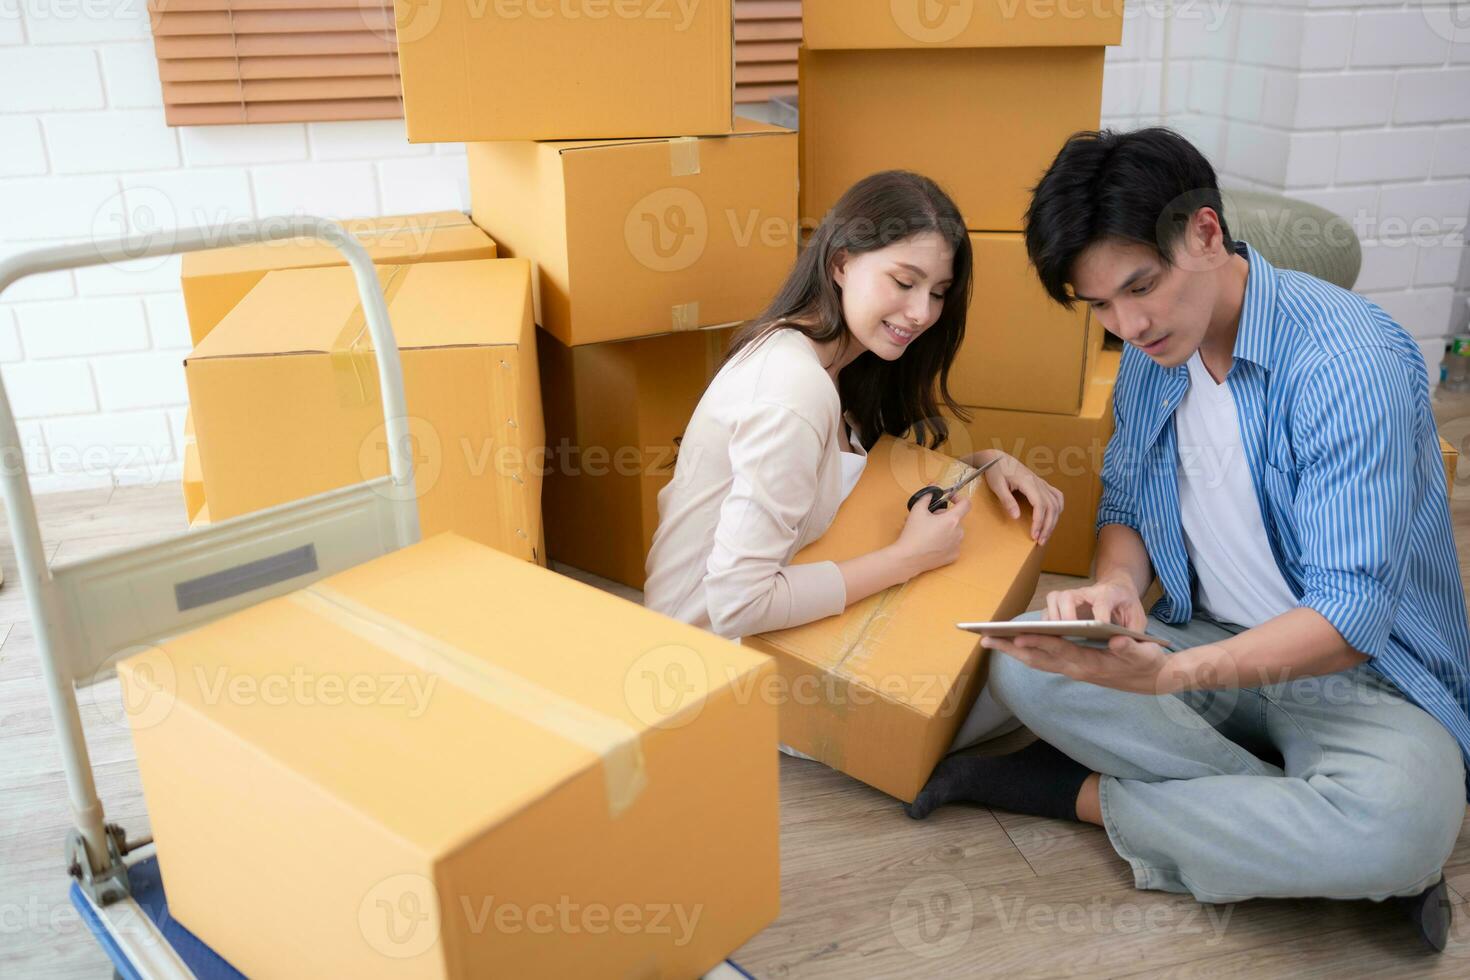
[(647, 249), (980, 97), (193, 478), (568, 69), (1065, 450), (615, 414), (285, 402), (214, 280)]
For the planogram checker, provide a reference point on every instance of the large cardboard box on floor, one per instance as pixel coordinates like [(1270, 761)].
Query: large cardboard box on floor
[(880, 690), (958, 23), (1022, 351), (614, 416), (634, 238), (284, 395), (449, 763), (214, 280), (1065, 451), (984, 123), (564, 69)]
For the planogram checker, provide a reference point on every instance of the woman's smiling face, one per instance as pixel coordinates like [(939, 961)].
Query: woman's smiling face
[(893, 294)]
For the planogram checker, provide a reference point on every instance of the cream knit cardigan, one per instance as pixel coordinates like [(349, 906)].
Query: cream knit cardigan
[(759, 476)]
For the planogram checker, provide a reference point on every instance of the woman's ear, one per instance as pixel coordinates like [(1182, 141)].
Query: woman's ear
[(839, 267)]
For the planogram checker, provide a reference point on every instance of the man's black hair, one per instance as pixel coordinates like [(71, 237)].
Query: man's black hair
[(1141, 186)]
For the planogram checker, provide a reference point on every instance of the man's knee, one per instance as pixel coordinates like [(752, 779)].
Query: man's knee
[(1394, 845), (1021, 687)]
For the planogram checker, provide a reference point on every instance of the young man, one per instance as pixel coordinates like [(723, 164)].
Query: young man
[(1275, 464)]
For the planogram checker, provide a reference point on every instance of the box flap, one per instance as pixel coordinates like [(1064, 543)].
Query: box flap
[(446, 686), (436, 304)]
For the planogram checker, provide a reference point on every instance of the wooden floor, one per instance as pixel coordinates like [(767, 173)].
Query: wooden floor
[(865, 891)]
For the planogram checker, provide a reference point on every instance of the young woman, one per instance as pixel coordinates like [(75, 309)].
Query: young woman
[(854, 345)]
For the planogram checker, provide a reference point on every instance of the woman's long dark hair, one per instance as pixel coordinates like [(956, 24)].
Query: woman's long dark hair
[(884, 396)]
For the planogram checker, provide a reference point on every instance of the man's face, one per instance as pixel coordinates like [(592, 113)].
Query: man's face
[(1164, 310)]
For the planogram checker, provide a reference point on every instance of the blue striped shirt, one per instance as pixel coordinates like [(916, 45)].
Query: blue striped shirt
[(1333, 403)]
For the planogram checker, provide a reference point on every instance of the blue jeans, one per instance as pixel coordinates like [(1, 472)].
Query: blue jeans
[(1366, 801)]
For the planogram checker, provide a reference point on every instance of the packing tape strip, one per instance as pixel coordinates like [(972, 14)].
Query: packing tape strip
[(354, 370), (686, 316), (683, 156), (613, 741)]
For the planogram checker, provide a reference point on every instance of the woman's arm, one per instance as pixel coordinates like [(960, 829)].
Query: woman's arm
[(775, 454), (928, 540)]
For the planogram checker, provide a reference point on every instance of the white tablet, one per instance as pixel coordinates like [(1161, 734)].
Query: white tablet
[(1071, 629)]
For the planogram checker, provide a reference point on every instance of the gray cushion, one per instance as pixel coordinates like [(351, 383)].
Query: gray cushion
[(1296, 235)]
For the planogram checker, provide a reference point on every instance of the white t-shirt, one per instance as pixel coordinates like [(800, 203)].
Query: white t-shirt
[(1239, 581)]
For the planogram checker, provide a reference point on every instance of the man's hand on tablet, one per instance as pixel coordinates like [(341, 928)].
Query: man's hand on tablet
[(1110, 601), (1128, 666)]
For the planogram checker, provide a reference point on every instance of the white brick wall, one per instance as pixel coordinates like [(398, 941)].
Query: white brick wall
[(1347, 104), (92, 359), (1356, 105)]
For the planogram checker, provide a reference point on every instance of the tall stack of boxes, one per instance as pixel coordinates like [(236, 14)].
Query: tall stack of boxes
[(655, 222), (980, 97)]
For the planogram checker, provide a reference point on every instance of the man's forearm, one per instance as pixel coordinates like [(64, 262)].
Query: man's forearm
[(1122, 557), (1299, 643)]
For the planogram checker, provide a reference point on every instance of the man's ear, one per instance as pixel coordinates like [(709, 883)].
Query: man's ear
[(1206, 238), (839, 267)]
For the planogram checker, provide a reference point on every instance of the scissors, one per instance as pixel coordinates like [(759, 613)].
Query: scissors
[(942, 497)]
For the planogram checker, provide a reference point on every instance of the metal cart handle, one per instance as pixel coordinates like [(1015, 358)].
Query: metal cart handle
[(81, 255), (85, 612)]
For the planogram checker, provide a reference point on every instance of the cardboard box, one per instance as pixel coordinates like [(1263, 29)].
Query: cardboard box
[(564, 69), (193, 478), (614, 417), (215, 280), (285, 399), (201, 519), (634, 238), (1451, 463), (984, 123), (449, 763), (1066, 451), (1022, 351), (879, 691), (958, 23)]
